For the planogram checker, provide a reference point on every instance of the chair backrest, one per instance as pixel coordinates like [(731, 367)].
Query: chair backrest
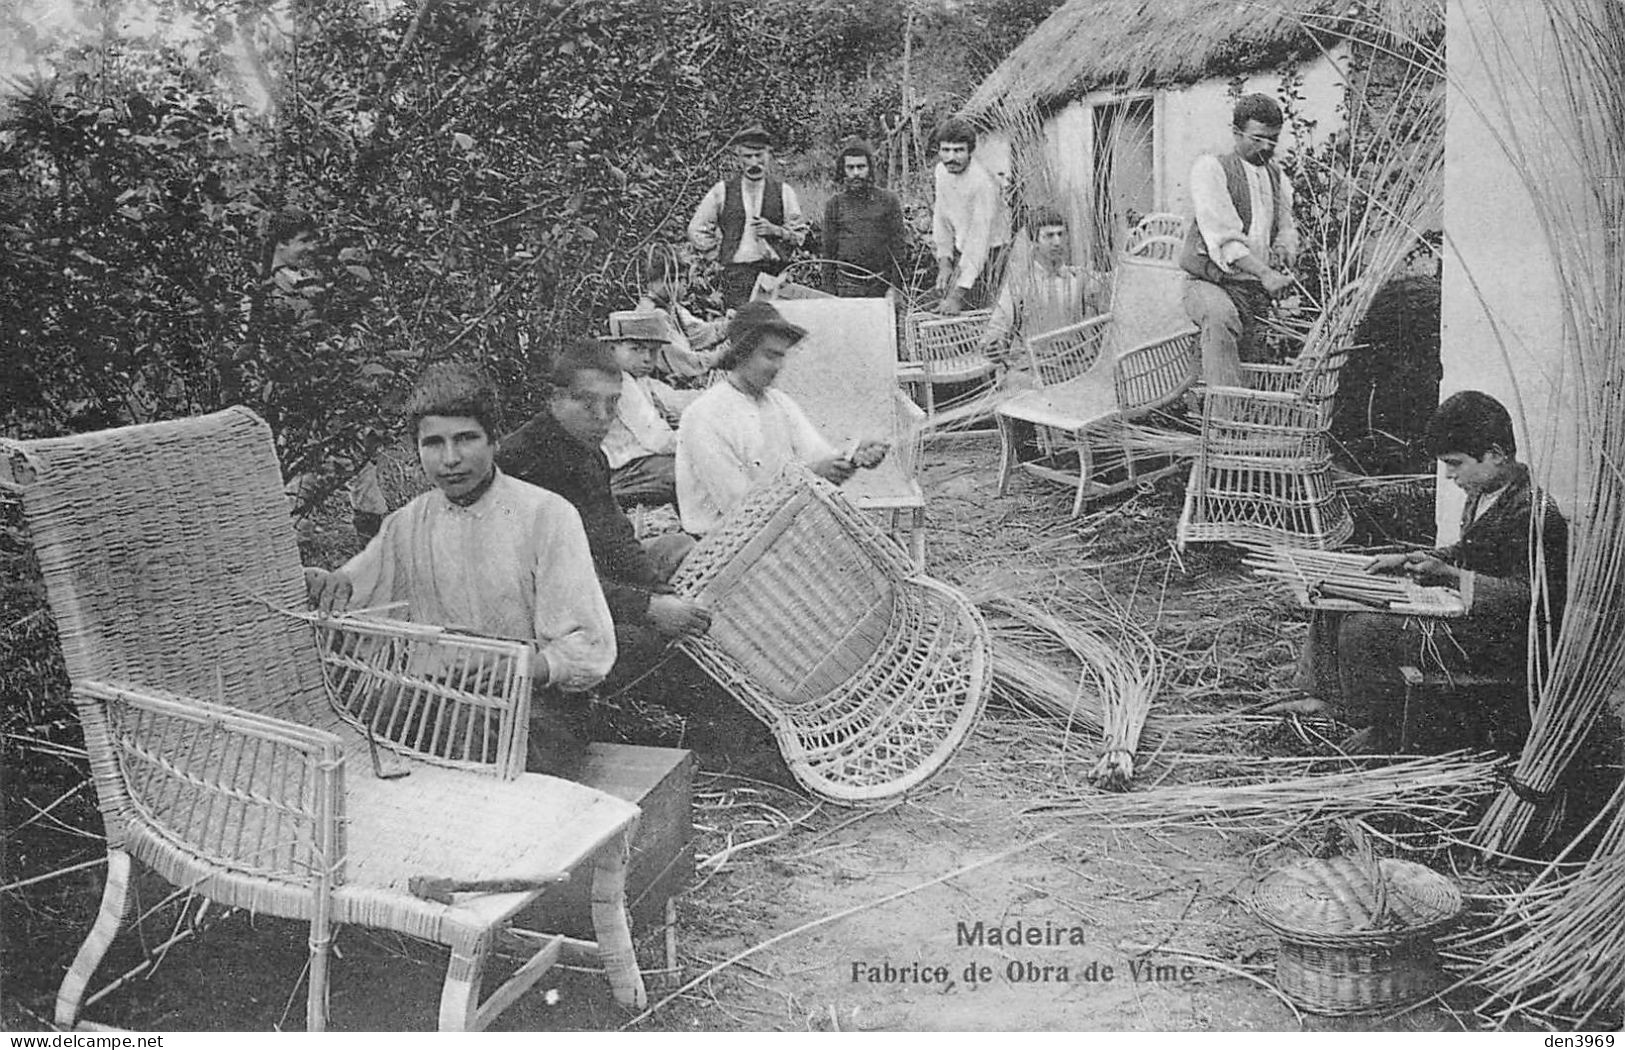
[(1147, 300), (800, 600), (1157, 224), (933, 337), (1161, 246), (844, 376), (161, 546)]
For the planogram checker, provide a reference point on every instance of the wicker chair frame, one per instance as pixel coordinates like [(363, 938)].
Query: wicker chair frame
[(943, 349), (869, 675), (1161, 224), (1085, 401), (222, 727)]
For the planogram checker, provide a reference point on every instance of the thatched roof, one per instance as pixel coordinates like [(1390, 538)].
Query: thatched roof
[(1091, 44)]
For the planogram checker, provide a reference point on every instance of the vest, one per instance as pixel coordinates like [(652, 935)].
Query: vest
[(1193, 257), (732, 219)]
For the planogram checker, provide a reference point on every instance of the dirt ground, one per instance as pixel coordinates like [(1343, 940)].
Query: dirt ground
[(875, 929)]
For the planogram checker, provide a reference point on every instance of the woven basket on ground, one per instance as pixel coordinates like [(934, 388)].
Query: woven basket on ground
[(1356, 935)]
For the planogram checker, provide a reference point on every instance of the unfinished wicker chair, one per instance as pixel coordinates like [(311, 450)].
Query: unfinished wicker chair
[(1263, 466), (229, 734), (940, 349), (1084, 402), (844, 376), (869, 675)]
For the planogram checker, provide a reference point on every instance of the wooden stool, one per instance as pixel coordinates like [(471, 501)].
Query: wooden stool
[(1418, 685)]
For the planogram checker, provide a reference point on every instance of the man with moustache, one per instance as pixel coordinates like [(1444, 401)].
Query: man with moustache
[(753, 221), (970, 224), (1239, 250), (863, 229)]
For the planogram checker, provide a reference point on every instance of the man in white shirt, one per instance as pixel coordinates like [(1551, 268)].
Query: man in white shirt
[(641, 444), (1240, 249), (970, 224), (742, 431), (753, 221)]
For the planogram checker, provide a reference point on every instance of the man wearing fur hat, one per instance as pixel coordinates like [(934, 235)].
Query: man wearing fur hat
[(863, 229), (753, 220)]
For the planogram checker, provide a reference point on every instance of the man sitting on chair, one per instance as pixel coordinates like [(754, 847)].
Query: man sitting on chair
[(489, 554), (641, 444), (1044, 294), (742, 431), (1355, 658)]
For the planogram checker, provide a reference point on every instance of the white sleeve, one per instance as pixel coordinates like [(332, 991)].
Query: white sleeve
[(810, 444), (795, 225), (1216, 214), (702, 228), (713, 474), (574, 633)]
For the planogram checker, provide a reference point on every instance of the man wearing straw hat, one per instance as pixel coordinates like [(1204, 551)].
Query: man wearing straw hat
[(753, 220), (1241, 244), (640, 444), (742, 431), (970, 224), (560, 449), (1354, 659), (864, 240)]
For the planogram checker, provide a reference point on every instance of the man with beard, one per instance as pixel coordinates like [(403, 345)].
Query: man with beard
[(1240, 248), (863, 229), (753, 220), (970, 225)]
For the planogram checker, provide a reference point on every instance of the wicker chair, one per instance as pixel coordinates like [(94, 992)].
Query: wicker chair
[(1160, 246), (1085, 401), (869, 675), (1158, 224), (1262, 472), (844, 376), (229, 734), (939, 349)]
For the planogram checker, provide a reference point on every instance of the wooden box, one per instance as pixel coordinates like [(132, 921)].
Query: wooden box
[(661, 781)]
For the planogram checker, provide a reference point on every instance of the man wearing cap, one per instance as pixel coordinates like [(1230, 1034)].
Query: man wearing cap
[(559, 450), (742, 431), (641, 445), (970, 224), (1239, 250), (864, 240), (753, 220)]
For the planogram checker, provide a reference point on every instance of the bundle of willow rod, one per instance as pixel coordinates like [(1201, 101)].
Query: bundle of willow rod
[(1121, 671), (1437, 791), (1334, 574), (1581, 230)]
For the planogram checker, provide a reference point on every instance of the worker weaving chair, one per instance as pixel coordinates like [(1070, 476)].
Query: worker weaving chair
[(1098, 385), (869, 675), (313, 768), (844, 376), (1263, 466)]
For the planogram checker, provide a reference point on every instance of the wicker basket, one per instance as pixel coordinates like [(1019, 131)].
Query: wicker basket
[(1356, 935)]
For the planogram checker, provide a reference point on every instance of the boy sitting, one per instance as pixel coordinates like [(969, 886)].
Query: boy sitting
[(640, 443), (1354, 659)]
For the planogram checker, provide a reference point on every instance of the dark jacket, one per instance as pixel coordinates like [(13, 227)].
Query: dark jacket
[(731, 220), (1496, 549), (865, 230), (541, 453)]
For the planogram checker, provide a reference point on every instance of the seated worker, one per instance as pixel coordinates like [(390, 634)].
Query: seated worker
[(489, 554), (691, 344), (1041, 295), (640, 443), (1353, 659), (560, 450), (742, 431)]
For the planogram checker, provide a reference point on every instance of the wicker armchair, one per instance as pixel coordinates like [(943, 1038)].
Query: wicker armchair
[(938, 349), (229, 735), (844, 376), (1262, 472), (1084, 402), (869, 675), (1157, 225)]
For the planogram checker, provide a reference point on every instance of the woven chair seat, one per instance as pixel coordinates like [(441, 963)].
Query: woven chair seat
[(869, 675), (228, 733)]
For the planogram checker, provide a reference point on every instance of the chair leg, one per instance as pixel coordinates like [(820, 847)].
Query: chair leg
[(1086, 470), (316, 995), (1007, 453), (610, 925), (917, 538), (115, 900), (460, 995)]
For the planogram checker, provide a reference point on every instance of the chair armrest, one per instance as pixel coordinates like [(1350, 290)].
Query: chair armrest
[(1153, 374), (453, 699), (1069, 351), (227, 787), (909, 437)]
